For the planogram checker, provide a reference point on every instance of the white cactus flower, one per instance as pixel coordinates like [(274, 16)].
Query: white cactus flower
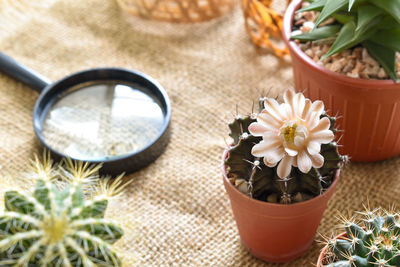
[(292, 133)]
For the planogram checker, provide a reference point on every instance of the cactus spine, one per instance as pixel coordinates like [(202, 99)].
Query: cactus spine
[(62, 222), (374, 243), (251, 176)]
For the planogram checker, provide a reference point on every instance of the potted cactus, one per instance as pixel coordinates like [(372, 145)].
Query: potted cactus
[(280, 172), (344, 53), (374, 242), (61, 221)]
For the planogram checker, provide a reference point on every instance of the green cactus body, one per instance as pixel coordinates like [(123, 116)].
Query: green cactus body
[(57, 225), (262, 183), (375, 243)]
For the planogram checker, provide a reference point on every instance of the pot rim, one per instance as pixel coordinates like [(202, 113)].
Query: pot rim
[(260, 203), (325, 249), (363, 83)]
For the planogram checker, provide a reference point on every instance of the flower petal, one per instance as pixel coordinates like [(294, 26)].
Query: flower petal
[(268, 136), (288, 98), (307, 107), (264, 147), (317, 106), (299, 103), (272, 107), (299, 141), (304, 162), (285, 166), (294, 163), (291, 152), (317, 160), (323, 124), (265, 118), (270, 164), (323, 137), (274, 156), (258, 129), (313, 120), (313, 147), (286, 111)]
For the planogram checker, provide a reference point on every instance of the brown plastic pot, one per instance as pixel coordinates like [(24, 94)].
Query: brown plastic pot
[(322, 255), (276, 232), (370, 108)]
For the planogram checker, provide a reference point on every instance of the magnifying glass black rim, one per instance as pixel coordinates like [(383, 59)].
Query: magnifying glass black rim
[(125, 163)]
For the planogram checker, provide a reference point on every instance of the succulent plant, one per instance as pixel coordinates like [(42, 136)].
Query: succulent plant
[(372, 24), (252, 176), (60, 223), (373, 242)]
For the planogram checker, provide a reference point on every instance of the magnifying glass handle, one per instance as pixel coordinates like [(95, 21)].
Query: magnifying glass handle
[(22, 73)]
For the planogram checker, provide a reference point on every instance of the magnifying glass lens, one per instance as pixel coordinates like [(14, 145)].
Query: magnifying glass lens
[(99, 121)]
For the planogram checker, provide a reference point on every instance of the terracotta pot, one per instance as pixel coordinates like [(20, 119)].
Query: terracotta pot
[(276, 232), (370, 108), (321, 257)]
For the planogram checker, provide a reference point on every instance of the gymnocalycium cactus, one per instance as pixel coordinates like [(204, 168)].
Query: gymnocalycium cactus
[(373, 24), (266, 145), (61, 223), (375, 242)]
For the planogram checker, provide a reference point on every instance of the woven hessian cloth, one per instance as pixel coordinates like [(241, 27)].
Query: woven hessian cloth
[(178, 207)]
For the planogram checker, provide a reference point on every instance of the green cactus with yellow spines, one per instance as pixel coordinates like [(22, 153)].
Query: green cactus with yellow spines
[(373, 243), (61, 223)]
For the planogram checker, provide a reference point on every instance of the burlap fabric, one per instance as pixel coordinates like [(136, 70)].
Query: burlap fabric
[(177, 208)]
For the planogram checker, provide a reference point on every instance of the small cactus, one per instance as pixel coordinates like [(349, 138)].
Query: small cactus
[(61, 223), (375, 242), (252, 176)]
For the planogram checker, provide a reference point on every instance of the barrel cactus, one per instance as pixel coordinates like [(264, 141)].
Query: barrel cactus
[(374, 242), (286, 152), (61, 222)]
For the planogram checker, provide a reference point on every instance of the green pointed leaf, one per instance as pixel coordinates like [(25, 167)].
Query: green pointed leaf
[(318, 33), (385, 56), (388, 23), (366, 14), (367, 30), (343, 41), (349, 37), (316, 5), (351, 3), (392, 7), (331, 7), (389, 38), (343, 18)]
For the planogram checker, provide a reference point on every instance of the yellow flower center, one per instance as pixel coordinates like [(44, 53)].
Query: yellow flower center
[(55, 228), (289, 133)]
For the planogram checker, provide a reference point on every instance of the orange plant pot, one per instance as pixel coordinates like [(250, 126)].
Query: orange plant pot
[(276, 232), (369, 108), (322, 255)]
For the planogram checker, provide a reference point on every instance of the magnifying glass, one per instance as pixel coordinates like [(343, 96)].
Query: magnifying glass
[(113, 116)]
